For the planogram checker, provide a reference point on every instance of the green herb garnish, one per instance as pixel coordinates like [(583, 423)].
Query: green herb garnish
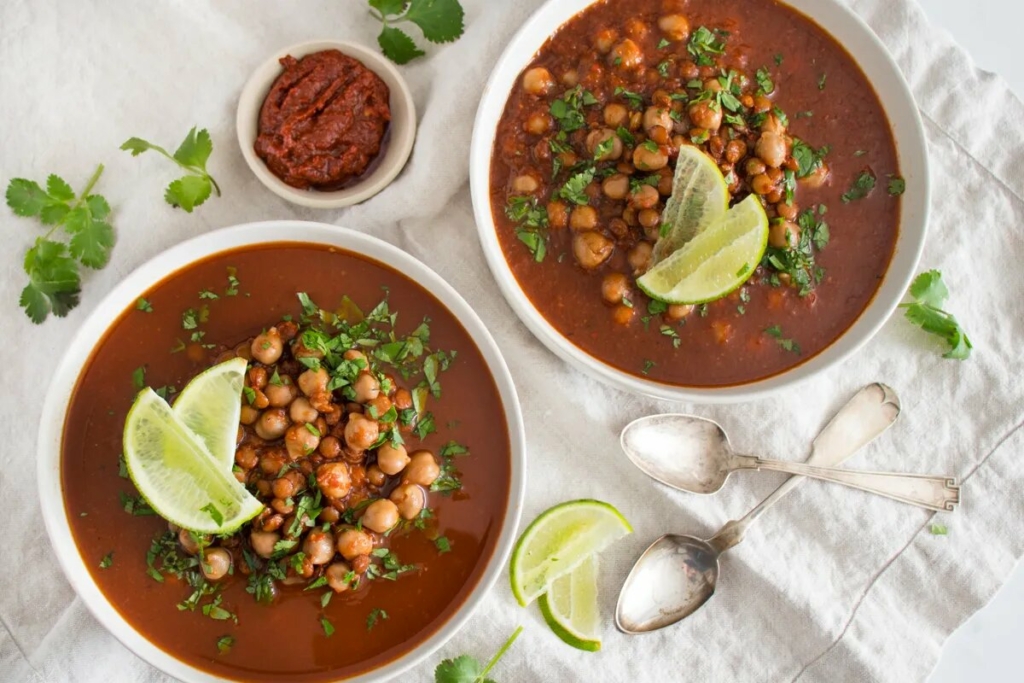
[(703, 46), (224, 644), (107, 560), (375, 615), (52, 266), (785, 344), (931, 293), (861, 187), (466, 669), (441, 21), (190, 190), (897, 185)]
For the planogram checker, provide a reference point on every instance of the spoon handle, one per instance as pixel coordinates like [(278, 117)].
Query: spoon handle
[(926, 491), (870, 412)]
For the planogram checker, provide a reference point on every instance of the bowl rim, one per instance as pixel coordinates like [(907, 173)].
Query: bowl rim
[(894, 94), (402, 130), (108, 311)]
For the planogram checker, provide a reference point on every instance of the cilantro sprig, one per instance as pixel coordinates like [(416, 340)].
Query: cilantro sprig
[(441, 21), (52, 266), (190, 190), (466, 669), (931, 293)]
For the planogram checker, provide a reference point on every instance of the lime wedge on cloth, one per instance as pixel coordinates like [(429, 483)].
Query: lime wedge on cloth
[(571, 609), (560, 540), (700, 196), (210, 404), (715, 262), (176, 473)]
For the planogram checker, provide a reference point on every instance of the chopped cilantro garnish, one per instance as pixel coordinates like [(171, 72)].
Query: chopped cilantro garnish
[(375, 615), (930, 293), (861, 188), (785, 344), (897, 185)]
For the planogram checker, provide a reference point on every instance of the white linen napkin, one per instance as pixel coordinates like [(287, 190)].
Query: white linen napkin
[(833, 585)]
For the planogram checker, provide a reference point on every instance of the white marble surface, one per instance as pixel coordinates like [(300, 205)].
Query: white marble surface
[(987, 647)]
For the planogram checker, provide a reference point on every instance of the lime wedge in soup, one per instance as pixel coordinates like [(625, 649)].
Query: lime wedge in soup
[(560, 540), (570, 607), (210, 406), (700, 196), (715, 262), (177, 474)]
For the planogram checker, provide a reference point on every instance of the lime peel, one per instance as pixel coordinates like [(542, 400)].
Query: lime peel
[(571, 609)]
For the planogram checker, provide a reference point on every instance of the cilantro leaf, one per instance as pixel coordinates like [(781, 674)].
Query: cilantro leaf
[(58, 189), (25, 197), (54, 283), (389, 7), (861, 187), (931, 293), (188, 192), (398, 46), (92, 243), (466, 669), (440, 20)]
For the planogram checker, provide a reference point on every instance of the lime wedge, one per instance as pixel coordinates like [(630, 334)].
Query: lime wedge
[(715, 262), (700, 196), (177, 474), (209, 406), (571, 609), (559, 541)]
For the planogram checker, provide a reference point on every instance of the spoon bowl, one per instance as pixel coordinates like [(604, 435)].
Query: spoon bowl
[(670, 581), (685, 452)]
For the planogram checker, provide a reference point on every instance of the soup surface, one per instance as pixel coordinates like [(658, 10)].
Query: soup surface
[(207, 312), (583, 161)]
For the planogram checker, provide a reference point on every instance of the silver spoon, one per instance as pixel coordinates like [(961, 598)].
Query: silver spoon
[(676, 575), (693, 454)]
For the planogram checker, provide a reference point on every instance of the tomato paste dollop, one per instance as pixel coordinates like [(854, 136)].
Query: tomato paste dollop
[(323, 122)]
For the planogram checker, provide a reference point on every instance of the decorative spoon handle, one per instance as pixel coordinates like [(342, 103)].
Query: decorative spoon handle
[(870, 412), (932, 492)]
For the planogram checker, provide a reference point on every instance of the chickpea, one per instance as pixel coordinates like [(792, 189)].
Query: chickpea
[(302, 412), (272, 424), (657, 116), (366, 388), (787, 211), (330, 447), (636, 28), (615, 287), (300, 441), (380, 516), (674, 26), (618, 227), (784, 234), (319, 546), (361, 432), (735, 150), (337, 576), (248, 415), (525, 184), (688, 70), (755, 167), (622, 314), (246, 456), (646, 159), (409, 499), (591, 249), (267, 347), (283, 507), (263, 542), (762, 104), (761, 184), (375, 477), (571, 78), (678, 311), (615, 114), (815, 178), (271, 463), (649, 218), (538, 81), (188, 541), (705, 115), (329, 515), (352, 543), (601, 136), (639, 257), (403, 399), (300, 350), (280, 395), (775, 196), (772, 124), (771, 148), (287, 486), (626, 55), (538, 123), (333, 479), (392, 459), (583, 218), (615, 186), (379, 405), (257, 377), (659, 135), (314, 381), (216, 563), (558, 214), (422, 469), (645, 197), (604, 40), (665, 184)]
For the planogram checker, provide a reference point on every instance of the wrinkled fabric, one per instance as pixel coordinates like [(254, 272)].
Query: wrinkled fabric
[(833, 585)]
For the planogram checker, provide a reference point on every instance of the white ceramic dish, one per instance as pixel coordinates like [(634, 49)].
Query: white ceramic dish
[(847, 28), (397, 147), (127, 292)]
